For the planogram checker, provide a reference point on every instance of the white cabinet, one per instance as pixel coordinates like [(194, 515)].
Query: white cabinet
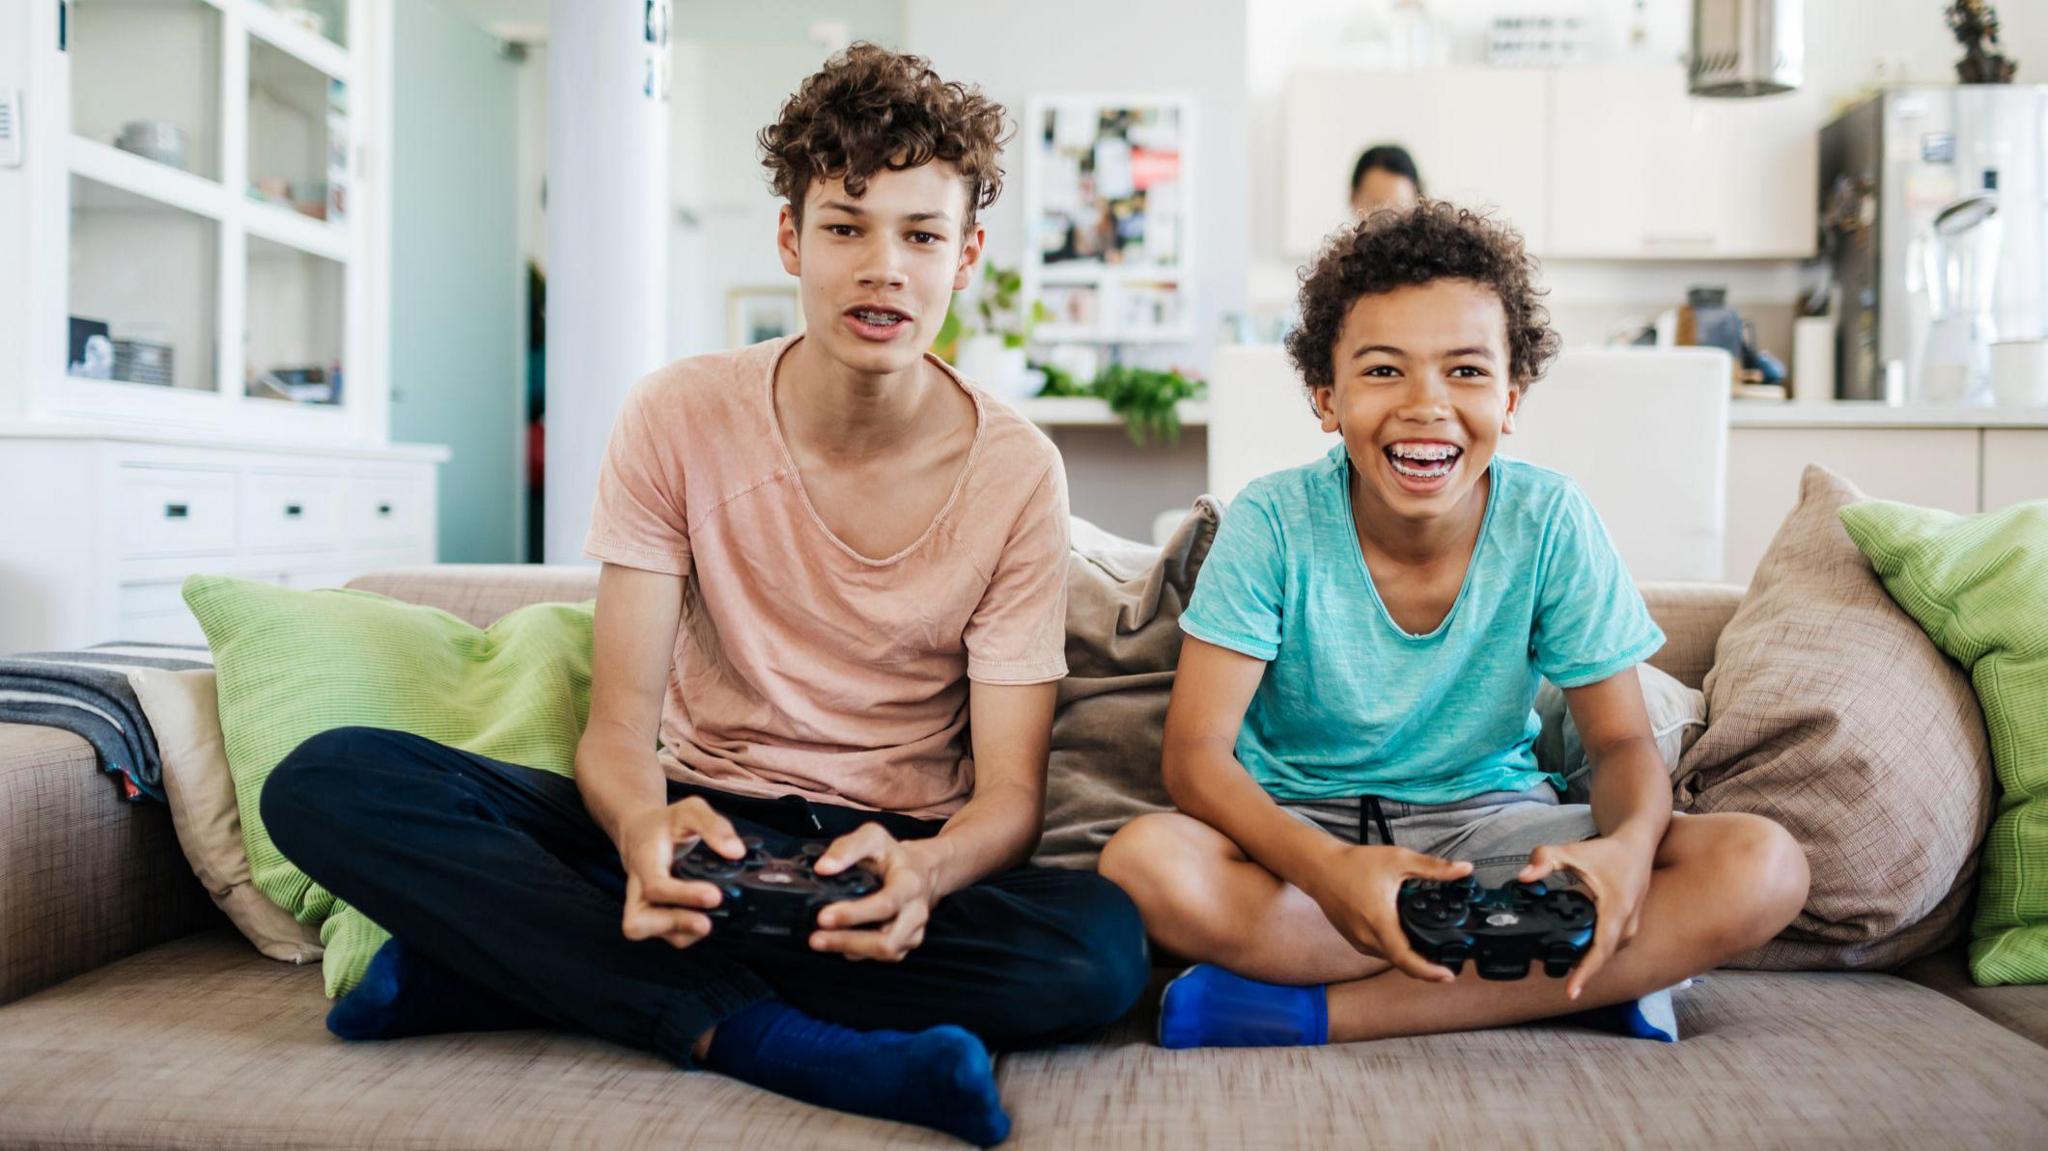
[(1592, 163), (1960, 468), (195, 377), (1640, 169), (108, 529), (203, 210), (1931, 467), (2015, 466), (1478, 135)]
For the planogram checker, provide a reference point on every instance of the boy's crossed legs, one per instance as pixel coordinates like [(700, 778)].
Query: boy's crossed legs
[(1721, 885)]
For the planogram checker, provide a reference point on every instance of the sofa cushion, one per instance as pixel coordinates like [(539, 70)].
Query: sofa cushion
[(2021, 1008), (1677, 713), (162, 1050), (1829, 711), (293, 664), (184, 711), (1979, 585), (85, 877), (1124, 601)]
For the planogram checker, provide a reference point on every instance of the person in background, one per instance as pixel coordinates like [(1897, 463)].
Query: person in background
[(1384, 177)]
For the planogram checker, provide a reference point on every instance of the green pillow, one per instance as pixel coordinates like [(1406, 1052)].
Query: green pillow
[(1979, 586), (292, 664)]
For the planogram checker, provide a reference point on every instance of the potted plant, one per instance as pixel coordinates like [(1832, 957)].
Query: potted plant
[(989, 349), (1975, 24)]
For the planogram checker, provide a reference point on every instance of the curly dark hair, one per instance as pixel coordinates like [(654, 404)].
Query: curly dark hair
[(1397, 248), (868, 109)]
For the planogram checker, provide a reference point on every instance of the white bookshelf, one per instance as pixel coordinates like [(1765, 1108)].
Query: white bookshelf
[(263, 249)]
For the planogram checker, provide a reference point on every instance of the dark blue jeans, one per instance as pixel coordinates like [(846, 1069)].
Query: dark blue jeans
[(498, 872)]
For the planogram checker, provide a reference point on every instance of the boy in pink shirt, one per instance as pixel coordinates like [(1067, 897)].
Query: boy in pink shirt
[(834, 588)]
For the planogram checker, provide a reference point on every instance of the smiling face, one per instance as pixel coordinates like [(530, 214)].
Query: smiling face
[(1422, 395), (877, 271)]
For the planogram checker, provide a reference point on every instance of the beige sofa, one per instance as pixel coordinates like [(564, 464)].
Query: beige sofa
[(134, 1017)]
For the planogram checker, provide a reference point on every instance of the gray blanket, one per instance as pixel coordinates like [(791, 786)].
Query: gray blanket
[(88, 694), (1124, 601)]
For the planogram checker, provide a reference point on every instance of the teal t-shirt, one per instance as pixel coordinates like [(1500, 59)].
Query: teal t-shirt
[(1351, 704)]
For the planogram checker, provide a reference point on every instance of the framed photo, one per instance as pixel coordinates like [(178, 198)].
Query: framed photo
[(1109, 208), (753, 315)]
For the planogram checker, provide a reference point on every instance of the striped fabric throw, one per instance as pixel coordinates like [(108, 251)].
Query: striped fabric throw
[(88, 694)]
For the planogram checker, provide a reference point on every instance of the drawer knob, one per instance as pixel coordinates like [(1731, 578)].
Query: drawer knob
[(294, 511), (177, 511), (384, 510)]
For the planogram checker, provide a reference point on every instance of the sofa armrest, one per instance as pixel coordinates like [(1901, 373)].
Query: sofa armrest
[(84, 877), (1692, 616)]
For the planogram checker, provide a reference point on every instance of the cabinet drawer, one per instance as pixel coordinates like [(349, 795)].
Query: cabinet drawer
[(176, 511), (291, 511), (388, 510)]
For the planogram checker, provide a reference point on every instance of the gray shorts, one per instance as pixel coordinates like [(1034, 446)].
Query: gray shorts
[(1495, 831)]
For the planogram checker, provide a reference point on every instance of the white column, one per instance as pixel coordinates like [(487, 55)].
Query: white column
[(607, 237)]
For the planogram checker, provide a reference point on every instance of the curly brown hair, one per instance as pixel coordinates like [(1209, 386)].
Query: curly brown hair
[(868, 109), (1397, 248)]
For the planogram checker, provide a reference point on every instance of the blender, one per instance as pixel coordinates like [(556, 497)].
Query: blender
[(1962, 276)]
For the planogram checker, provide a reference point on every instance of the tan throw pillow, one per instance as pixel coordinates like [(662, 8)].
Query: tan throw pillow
[(1830, 711), (183, 709), (1124, 601), (1678, 714)]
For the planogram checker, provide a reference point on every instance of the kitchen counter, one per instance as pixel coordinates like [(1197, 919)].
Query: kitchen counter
[(1872, 414), (1075, 411)]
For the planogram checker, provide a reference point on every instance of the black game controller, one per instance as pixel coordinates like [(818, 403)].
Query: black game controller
[(1503, 928), (772, 895)]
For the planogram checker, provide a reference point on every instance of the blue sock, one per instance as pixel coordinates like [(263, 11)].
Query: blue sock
[(939, 1078), (1210, 1007), (405, 993), (1651, 1017)]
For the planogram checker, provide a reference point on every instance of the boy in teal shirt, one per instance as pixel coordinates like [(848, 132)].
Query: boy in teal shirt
[(1353, 704)]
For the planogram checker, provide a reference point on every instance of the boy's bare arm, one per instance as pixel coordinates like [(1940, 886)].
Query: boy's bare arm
[(1211, 690), (616, 770), (1631, 807), (1631, 782), (633, 643), (1010, 726)]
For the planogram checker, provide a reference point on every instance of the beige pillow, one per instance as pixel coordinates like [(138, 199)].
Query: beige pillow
[(1830, 711), (1124, 601), (183, 710), (1678, 715)]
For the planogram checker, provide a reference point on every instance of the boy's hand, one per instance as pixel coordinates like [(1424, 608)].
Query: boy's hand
[(1358, 890), (1616, 873), (658, 905), (889, 924)]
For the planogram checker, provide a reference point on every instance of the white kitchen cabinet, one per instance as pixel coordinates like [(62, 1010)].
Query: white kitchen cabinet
[(1642, 170), (1931, 467), (1590, 163), (1477, 134), (2015, 466)]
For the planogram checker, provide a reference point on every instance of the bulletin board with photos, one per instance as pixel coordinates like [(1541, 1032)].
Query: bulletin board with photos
[(1108, 210)]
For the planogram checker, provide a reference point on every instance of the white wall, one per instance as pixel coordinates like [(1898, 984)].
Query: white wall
[(532, 119), (1014, 48), (1852, 46)]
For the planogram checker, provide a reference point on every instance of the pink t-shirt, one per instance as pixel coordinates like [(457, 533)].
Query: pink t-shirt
[(801, 666)]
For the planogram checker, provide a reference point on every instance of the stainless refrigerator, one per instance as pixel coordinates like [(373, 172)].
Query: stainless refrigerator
[(1934, 217)]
